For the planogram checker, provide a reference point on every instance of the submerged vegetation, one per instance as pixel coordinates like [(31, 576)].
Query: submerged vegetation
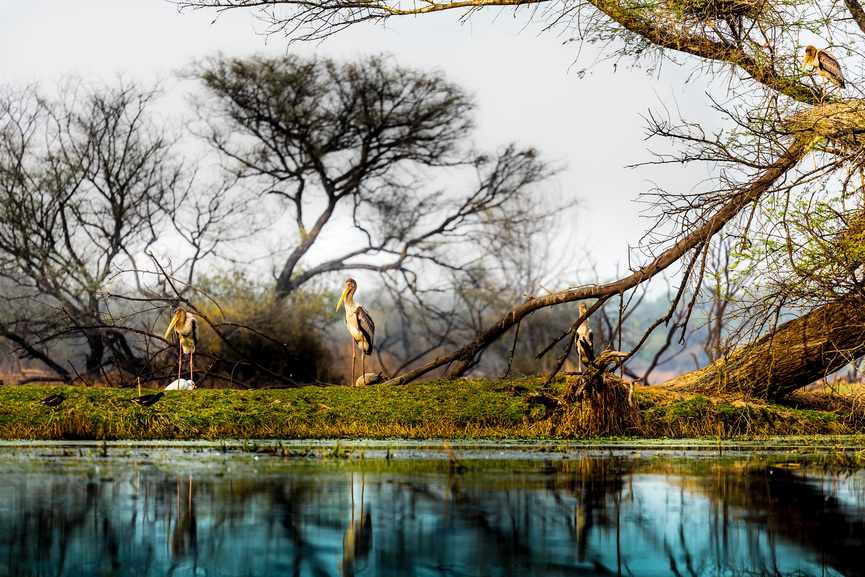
[(456, 409)]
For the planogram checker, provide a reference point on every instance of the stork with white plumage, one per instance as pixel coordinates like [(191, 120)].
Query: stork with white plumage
[(180, 385), (359, 325)]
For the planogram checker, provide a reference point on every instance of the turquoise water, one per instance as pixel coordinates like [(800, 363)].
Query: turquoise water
[(420, 509)]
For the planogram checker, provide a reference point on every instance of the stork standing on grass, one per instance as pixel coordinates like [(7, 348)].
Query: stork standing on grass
[(585, 339), (186, 328), (359, 325), (826, 65)]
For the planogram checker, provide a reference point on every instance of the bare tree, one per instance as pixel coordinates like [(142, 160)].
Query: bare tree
[(361, 146), (380, 156), (88, 180), (91, 183), (516, 258)]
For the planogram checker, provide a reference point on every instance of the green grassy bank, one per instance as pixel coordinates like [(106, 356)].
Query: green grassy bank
[(460, 409)]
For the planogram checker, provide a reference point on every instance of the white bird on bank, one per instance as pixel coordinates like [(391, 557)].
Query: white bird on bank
[(370, 379), (181, 385)]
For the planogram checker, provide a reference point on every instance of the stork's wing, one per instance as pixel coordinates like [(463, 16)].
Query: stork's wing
[(367, 328), (194, 333), (830, 65), (586, 343)]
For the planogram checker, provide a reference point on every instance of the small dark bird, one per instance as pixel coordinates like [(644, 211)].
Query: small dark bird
[(826, 65), (147, 400), (53, 400)]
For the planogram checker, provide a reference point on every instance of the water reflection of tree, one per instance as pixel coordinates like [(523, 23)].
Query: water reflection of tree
[(592, 516), (500, 520), (792, 507)]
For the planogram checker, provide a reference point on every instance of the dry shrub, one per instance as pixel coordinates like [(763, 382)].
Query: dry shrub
[(604, 413), (282, 335)]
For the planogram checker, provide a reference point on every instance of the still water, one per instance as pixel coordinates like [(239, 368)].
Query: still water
[(404, 510)]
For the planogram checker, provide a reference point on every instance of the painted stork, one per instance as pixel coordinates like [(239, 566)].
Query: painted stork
[(147, 400), (585, 339), (53, 400), (186, 328), (359, 325), (826, 65)]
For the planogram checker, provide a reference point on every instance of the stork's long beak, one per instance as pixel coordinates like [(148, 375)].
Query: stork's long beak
[(171, 326), (805, 64), (342, 297)]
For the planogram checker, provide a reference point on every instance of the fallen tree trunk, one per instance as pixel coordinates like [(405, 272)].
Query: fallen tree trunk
[(795, 354)]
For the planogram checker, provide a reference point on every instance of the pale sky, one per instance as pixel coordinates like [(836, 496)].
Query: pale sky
[(524, 79)]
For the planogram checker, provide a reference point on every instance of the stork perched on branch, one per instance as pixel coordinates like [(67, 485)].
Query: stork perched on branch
[(186, 328), (359, 325), (826, 65)]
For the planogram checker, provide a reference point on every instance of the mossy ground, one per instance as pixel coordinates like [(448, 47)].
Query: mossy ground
[(459, 409)]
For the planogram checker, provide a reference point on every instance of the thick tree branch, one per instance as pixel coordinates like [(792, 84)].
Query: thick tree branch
[(35, 353), (797, 353), (317, 20), (762, 72), (857, 13)]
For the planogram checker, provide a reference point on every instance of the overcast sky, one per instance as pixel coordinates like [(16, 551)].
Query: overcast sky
[(524, 79)]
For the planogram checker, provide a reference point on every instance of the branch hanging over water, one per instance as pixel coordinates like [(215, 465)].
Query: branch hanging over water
[(711, 225)]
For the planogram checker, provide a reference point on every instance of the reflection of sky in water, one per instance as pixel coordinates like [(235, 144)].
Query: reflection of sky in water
[(207, 513)]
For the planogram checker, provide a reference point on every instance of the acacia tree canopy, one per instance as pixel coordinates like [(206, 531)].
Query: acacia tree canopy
[(371, 145)]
